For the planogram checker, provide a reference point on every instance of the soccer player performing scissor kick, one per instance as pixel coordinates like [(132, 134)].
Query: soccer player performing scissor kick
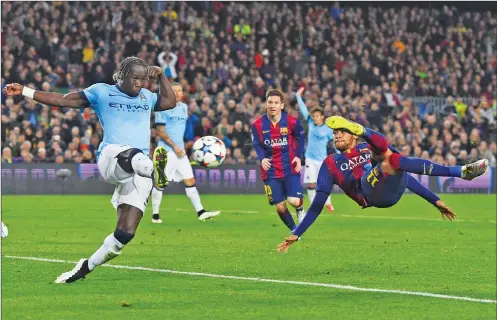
[(373, 175)]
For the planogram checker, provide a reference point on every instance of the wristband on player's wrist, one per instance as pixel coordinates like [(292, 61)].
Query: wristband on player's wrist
[(28, 92)]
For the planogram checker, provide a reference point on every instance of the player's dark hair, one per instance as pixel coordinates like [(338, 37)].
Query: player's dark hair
[(275, 93), (125, 67), (317, 109)]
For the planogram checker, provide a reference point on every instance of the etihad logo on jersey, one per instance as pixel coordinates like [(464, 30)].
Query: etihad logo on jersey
[(129, 107), (283, 131), (276, 142), (355, 161)]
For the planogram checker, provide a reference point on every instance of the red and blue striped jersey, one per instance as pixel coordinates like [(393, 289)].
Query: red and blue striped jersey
[(346, 170), (280, 143)]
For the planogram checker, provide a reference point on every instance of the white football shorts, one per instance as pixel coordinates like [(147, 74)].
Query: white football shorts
[(131, 188), (312, 170), (178, 169)]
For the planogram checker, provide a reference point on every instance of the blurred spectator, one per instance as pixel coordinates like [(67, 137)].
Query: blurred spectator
[(6, 155)]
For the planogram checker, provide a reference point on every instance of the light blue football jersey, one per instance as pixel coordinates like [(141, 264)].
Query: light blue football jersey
[(175, 121), (318, 137), (125, 119)]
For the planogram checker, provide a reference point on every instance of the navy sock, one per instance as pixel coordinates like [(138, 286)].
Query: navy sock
[(422, 166), (287, 219), (123, 236)]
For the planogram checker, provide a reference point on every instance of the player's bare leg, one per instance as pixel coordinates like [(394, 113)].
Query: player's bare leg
[(128, 219), (285, 215), (396, 162), (298, 204)]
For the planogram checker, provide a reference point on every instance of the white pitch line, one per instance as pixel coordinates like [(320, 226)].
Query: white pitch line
[(302, 283)]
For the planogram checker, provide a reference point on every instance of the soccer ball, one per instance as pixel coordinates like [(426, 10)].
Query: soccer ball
[(209, 151)]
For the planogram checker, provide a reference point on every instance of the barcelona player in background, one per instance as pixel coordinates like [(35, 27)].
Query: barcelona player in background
[(279, 141), (373, 175)]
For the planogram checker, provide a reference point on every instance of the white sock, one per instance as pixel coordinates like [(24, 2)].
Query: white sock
[(328, 201), (156, 200), (192, 193), (142, 165), (300, 210), (108, 251), (311, 193)]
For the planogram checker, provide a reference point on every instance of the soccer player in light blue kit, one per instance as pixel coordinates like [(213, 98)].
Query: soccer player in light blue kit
[(171, 126), (319, 136), (124, 110)]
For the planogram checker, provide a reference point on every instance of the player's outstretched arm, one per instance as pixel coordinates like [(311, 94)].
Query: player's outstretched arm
[(311, 216), (302, 107), (325, 184), (420, 190), (166, 92), (71, 100)]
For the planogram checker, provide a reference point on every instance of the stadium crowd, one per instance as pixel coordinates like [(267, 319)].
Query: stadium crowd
[(366, 63)]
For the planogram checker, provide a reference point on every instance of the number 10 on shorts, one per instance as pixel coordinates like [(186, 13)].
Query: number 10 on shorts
[(269, 192)]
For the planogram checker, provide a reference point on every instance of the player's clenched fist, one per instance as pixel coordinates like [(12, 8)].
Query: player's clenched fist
[(13, 89), (154, 72)]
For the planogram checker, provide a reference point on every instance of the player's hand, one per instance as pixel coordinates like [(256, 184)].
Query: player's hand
[(297, 163), (445, 211), (266, 164), (13, 89), (154, 72), (179, 152), (300, 91), (283, 247)]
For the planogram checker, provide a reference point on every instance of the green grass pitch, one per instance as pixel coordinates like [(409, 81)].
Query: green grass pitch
[(407, 247)]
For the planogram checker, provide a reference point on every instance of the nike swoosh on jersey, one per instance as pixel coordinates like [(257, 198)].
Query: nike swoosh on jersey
[(118, 95)]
